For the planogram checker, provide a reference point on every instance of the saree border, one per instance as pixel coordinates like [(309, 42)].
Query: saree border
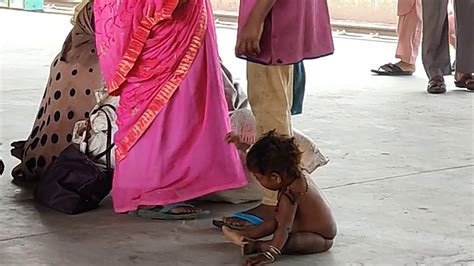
[(137, 43), (168, 89)]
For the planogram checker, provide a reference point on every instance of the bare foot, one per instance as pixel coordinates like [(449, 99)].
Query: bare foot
[(233, 235)]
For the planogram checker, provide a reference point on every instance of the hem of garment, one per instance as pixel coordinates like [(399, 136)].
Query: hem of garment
[(181, 199), (440, 73), (402, 58), (256, 61)]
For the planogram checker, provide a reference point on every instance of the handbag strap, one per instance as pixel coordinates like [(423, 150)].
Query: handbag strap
[(95, 111), (110, 145)]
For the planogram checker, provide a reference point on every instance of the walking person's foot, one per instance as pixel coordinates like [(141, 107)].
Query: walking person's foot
[(462, 80), (399, 69), (436, 85)]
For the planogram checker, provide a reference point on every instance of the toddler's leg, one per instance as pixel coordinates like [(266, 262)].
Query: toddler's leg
[(303, 243), (260, 231)]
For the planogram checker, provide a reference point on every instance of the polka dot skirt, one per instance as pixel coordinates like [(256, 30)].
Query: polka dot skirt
[(68, 98)]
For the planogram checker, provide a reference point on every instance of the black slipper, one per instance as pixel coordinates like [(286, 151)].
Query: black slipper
[(391, 70)]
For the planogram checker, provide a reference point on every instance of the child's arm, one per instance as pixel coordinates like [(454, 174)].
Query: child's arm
[(240, 237), (271, 249), (284, 218), (248, 42), (263, 230)]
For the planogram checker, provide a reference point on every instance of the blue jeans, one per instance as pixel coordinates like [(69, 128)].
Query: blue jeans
[(299, 83)]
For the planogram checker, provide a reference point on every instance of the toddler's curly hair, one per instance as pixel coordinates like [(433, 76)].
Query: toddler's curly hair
[(275, 153)]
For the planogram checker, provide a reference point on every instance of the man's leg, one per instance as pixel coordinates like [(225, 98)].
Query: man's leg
[(409, 35), (435, 43), (465, 35), (270, 90)]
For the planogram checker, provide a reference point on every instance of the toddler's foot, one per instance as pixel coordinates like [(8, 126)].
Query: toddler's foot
[(233, 235)]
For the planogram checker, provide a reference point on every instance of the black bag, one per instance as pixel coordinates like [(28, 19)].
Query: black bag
[(74, 183)]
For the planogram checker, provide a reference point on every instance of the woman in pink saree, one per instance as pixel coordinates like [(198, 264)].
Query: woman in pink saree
[(161, 57)]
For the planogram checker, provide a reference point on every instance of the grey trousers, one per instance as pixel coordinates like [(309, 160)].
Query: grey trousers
[(435, 42)]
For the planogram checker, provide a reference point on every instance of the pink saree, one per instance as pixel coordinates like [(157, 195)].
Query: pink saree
[(172, 117)]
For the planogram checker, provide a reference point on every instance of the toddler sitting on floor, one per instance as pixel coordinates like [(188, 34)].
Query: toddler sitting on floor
[(303, 221)]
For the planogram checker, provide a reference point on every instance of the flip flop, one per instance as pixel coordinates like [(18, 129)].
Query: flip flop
[(164, 213), (253, 219), (393, 70)]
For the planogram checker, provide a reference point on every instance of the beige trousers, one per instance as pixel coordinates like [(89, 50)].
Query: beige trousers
[(270, 92)]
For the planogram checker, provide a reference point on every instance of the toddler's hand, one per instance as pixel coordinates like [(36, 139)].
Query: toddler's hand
[(234, 139), (257, 260), (231, 138)]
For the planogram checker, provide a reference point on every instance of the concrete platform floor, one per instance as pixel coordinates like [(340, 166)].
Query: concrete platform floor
[(400, 179)]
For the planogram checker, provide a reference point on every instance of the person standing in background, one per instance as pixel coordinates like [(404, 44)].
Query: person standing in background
[(273, 36), (410, 27), (435, 44), (172, 116)]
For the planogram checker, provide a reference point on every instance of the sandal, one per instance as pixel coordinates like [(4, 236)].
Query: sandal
[(436, 86), (466, 82), (251, 218), (164, 213), (391, 70)]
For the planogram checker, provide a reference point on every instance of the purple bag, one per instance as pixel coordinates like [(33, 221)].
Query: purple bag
[(74, 183)]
